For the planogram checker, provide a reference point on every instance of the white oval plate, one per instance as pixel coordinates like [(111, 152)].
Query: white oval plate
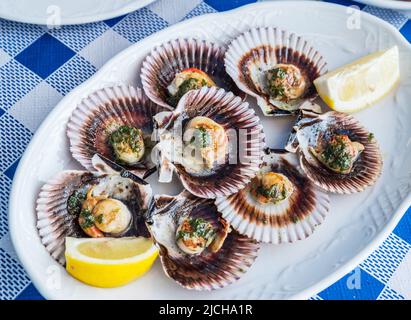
[(65, 12), (388, 4), (357, 223)]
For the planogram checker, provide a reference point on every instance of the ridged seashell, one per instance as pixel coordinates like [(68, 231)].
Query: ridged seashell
[(97, 116), (293, 219), (258, 50), (366, 169), (207, 270), (165, 61), (245, 135), (54, 222)]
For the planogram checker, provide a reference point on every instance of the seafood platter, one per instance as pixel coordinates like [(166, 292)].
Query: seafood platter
[(248, 160)]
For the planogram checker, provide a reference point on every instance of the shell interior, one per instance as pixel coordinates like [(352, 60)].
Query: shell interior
[(292, 219), (205, 271), (245, 134), (366, 168), (55, 223), (307, 112), (165, 61), (258, 50)]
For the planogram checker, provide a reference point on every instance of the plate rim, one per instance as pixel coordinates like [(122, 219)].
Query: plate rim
[(303, 294), (137, 4)]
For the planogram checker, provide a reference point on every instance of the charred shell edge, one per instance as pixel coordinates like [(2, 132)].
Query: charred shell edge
[(53, 221), (282, 47), (371, 158), (371, 161)]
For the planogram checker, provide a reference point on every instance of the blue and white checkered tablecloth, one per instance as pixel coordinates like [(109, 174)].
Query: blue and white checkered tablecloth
[(39, 66)]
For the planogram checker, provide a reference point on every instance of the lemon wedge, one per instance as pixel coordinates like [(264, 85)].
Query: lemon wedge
[(361, 83), (109, 262)]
